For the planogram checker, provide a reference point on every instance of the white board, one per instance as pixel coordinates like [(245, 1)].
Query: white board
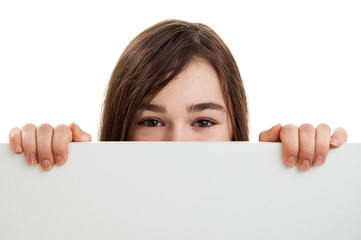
[(138, 190)]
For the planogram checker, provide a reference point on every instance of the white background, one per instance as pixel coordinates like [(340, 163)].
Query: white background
[(300, 60)]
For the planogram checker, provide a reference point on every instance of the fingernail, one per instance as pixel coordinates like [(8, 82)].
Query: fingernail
[(306, 165), (18, 148), (291, 161), (59, 160), (46, 164), (335, 142), (32, 160), (318, 160)]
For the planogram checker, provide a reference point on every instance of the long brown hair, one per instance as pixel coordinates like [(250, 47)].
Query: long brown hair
[(152, 60)]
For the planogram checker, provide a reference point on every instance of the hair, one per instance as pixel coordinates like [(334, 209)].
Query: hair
[(152, 60)]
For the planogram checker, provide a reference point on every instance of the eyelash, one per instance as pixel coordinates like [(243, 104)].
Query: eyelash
[(146, 121), (210, 123)]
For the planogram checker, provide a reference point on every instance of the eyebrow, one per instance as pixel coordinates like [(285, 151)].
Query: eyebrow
[(155, 108), (191, 109), (205, 106)]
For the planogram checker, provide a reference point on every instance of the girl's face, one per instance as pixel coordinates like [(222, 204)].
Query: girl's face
[(190, 108)]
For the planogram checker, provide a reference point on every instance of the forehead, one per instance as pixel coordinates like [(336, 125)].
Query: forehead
[(198, 82)]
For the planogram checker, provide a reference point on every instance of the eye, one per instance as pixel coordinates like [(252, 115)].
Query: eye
[(204, 123), (151, 123)]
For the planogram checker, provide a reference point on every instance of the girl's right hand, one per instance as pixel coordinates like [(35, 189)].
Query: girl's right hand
[(44, 144)]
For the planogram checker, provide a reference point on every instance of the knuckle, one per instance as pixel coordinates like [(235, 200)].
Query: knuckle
[(307, 152), (307, 127), (62, 128), (342, 131), (15, 130), (290, 148), (45, 153), (289, 128), (290, 152), (62, 134), (60, 149), (45, 127), (322, 145), (14, 134), (29, 126), (29, 146), (324, 127)]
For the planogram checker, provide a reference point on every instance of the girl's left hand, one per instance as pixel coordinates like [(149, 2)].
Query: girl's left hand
[(305, 146)]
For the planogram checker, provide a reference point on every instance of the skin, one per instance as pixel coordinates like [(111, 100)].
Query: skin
[(190, 108)]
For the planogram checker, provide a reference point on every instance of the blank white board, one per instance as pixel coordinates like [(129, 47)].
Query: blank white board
[(213, 190)]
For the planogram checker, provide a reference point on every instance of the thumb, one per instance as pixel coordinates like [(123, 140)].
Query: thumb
[(78, 134), (271, 135)]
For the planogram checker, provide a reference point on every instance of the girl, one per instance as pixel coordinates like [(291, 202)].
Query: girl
[(176, 81)]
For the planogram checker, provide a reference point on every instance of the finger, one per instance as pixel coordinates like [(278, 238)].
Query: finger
[(289, 139), (29, 143), (61, 138), (307, 146), (338, 138), (271, 135), (323, 136), (78, 134), (44, 136), (15, 140)]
